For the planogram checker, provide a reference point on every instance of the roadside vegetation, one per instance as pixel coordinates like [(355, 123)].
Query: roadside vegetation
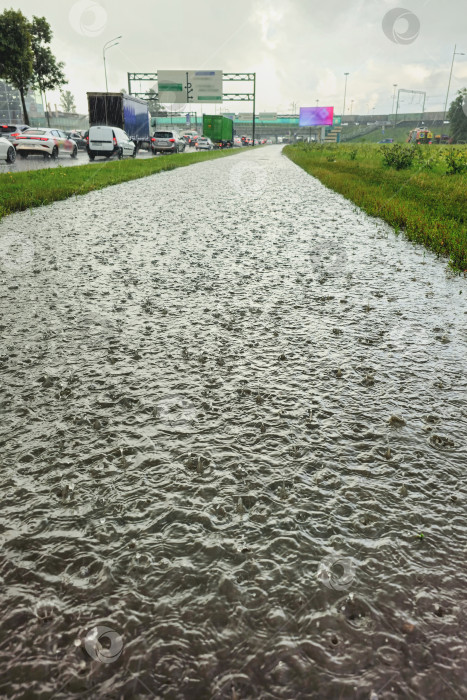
[(365, 134), (419, 190), (33, 188)]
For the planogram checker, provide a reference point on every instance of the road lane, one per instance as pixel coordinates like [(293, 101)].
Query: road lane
[(39, 162)]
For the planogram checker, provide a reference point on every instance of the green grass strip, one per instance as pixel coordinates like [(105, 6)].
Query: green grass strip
[(33, 188), (429, 206)]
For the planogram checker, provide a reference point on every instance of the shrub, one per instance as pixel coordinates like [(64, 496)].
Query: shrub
[(397, 156), (456, 162)]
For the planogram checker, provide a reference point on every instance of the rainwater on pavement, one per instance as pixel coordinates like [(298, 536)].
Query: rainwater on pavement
[(232, 445)]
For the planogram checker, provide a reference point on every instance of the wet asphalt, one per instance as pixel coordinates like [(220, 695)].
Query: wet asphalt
[(232, 445)]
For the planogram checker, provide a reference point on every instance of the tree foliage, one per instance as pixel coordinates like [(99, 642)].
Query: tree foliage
[(47, 72), (26, 59), (457, 116), (16, 55), (67, 101), (154, 105)]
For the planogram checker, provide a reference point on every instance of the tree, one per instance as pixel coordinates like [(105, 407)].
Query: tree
[(16, 56), (67, 101), (457, 116), (47, 72), (154, 105)]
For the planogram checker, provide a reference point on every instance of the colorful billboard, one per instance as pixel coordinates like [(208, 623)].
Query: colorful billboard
[(316, 116)]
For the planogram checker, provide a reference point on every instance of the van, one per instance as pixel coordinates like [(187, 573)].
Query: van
[(108, 141)]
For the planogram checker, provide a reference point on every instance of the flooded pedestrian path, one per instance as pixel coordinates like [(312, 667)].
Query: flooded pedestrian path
[(233, 418)]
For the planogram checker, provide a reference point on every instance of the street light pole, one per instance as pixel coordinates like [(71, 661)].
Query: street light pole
[(106, 46), (454, 53), (394, 85), (345, 94)]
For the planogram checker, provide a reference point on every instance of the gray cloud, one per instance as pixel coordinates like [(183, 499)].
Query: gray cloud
[(300, 49)]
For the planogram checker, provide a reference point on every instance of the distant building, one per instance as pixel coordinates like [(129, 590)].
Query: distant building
[(11, 110)]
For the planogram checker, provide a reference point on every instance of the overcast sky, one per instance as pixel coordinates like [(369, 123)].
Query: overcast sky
[(300, 49)]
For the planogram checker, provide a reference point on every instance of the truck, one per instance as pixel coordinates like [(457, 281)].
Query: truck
[(219, 129), (123, 111)]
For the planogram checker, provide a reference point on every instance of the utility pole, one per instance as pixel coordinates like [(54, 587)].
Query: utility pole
[(106, 46), (455, 53), (345, 94), (254, 107), (393, 97)]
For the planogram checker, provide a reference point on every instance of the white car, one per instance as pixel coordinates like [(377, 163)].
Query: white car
[(108, 141), (7, 150), (204, 144), (49, 143)]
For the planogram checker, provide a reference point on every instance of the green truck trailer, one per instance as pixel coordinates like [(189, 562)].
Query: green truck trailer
[(219, 129)]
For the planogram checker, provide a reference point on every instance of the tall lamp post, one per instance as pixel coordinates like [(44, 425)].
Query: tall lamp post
[(106, 46), (394, 85), (455, 53), (345, 94)]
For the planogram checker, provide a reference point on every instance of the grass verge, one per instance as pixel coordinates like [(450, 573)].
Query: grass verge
[(33, 188), (423, 201)]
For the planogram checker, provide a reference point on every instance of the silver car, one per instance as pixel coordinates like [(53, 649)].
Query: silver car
[(204, 144), (167, 141), (12, 131)]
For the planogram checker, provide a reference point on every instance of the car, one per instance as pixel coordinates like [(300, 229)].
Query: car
[(7, 150), (189, 137), (12, 131), (78, 139), (167, 141), (109, 141), (204, 144), (48, 143), (386, 141)]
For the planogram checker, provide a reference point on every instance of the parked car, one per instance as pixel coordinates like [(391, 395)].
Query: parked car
[(167, 142), (48, 143), (7, 150), (12, 131), (108, 141), (204, 144), (78, 139)]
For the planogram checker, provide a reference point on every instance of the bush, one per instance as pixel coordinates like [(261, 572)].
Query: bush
[(456, 162), (397, 156)]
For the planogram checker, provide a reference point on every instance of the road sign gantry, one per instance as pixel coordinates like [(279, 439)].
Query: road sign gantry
[(228, 96)]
